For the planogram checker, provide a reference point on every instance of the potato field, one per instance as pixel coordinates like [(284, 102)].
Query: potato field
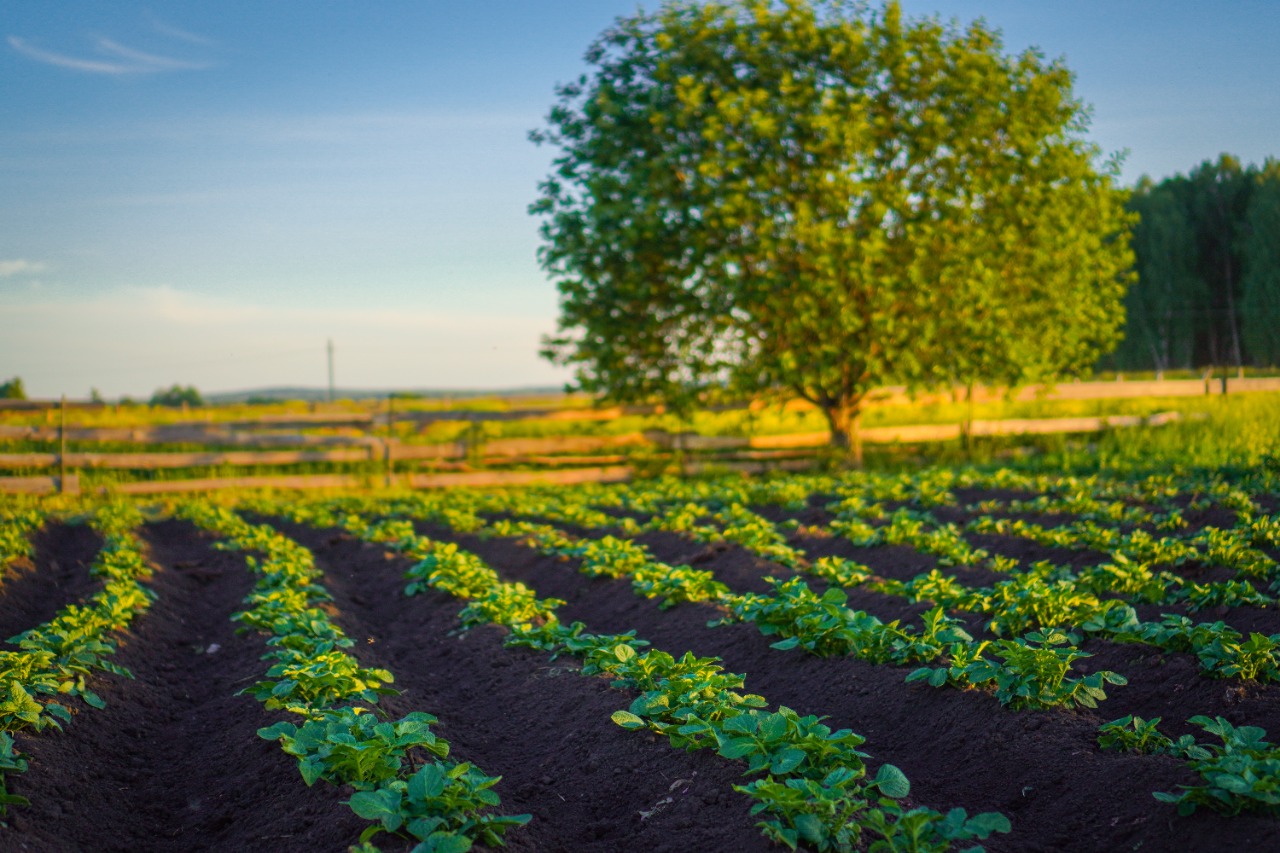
[(943, 659)]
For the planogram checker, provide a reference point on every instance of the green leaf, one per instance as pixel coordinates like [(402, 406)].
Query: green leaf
[(444, 842), (381, 805), (627, 720), (810, 828), (986, 823), (892, 782), (277, 731), (786, 761), (738, 747)]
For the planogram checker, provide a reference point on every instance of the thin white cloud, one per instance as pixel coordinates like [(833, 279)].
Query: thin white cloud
[(119, 59), (63, 61), (148, 61), (178, 33), (19, 266)]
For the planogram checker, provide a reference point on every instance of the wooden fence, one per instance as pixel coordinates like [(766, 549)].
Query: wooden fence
[(571, 459)]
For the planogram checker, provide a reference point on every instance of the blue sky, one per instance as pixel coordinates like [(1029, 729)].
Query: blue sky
[(205, 192)]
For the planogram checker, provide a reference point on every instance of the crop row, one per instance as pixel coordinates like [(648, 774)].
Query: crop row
[(812, 786), (1041, 598), (17, 523), (1031, 672), (447, 806), (53, 661), (1027, 671), (1239, 775)]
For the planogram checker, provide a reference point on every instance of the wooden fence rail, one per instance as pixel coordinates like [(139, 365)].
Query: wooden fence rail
[(561, 457)]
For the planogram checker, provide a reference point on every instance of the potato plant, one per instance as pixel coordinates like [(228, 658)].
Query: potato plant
[(695, 704), (445, 807)]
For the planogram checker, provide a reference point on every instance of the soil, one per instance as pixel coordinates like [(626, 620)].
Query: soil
[(32, 590), (959, 748), (174, 763)]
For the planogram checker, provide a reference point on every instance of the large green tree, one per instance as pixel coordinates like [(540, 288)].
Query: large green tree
[(816, 198)]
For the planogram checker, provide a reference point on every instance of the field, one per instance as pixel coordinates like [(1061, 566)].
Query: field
[(868, 653)]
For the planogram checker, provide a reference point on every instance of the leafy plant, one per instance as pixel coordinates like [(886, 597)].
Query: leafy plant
[(353, 747), (1032, 672), (1134, 734), (11, 761), (442, 805), (1243, 774)]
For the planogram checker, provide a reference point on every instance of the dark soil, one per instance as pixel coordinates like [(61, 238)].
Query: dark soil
[(33, 590), (589, 784), (173, 763), (959, 748)]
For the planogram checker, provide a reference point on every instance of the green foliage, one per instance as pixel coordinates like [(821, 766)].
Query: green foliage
[(1160, 316), (1033, 672), (1241, 775), (821, 198), (1134, 734), (176, 396), (442, 805), (16, 526), (307, 681), (11, 761), (13, 389), (823, 625), (353, 747), (445, 806), (1260, 302)]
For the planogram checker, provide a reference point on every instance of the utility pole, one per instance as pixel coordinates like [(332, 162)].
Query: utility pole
[(330, 370), (62, 447)]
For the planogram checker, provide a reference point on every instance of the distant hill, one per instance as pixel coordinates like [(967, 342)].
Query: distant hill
[(322, 394)]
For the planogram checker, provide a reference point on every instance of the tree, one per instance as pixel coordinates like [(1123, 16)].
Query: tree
[(13, 389), (176, 396), (1260, 303), (1218, 198), (817, 199), (1163, 305)]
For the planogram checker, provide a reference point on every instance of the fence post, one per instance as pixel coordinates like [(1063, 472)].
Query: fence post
[(386, 448)]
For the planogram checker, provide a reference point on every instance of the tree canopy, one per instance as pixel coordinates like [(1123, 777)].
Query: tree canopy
[(1208, 263), (177, 396), (818, 198), (13, 389)]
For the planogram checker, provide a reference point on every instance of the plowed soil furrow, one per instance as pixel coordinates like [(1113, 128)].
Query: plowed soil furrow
[(173, 763), (1169, 685), (590, 785), (1043, 769), (32, 591)]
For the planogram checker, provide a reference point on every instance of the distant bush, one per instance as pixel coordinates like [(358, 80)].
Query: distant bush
[(13, 390), (176, 395)]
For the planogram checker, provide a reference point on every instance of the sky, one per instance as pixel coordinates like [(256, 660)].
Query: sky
[(206, 193)]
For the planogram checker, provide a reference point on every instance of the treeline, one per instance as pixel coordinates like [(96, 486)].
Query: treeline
[(1207, 249)]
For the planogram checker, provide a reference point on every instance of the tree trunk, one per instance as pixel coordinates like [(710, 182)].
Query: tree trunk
[(845, 419)]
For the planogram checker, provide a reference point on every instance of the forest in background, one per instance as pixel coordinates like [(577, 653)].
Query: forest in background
[(1207, 249)]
